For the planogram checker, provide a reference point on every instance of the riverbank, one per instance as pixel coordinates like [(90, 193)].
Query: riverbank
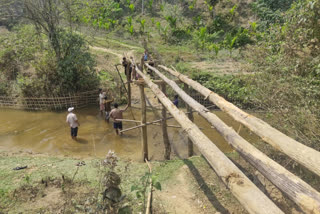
[(58, 185)]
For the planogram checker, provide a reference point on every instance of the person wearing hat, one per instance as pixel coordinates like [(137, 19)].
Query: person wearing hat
[(73, 122)]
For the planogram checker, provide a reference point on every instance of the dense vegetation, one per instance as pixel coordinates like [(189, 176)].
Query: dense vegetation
[(279, 40)]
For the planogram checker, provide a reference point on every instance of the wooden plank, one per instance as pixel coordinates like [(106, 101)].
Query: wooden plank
[(296, 189), (304, 155), (242, 188)]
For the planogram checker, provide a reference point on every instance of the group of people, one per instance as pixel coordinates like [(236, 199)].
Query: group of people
[(116, 114), (130, 69)]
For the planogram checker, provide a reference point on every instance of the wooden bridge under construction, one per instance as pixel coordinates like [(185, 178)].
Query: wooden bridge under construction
[(250, 196)]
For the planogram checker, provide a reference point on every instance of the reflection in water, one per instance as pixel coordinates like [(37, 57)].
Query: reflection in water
[(47, 132)]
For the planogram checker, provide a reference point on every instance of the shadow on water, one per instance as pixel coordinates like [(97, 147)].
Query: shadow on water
[(205, 188), (82, 141)]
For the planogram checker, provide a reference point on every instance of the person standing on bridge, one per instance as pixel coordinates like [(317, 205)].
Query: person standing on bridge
[(73, 122), (117, 114), (127, 68)]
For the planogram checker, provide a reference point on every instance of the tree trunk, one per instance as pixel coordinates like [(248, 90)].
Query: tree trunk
[(295, 188)]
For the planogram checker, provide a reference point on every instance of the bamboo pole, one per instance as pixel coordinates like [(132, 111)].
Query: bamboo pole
[(128, 84), (148, 123), (129, 101), (125, 120), (190, 116), (243, 189), (304, 155), (295, 188), (172, 126), (143, 122), (149, 202)]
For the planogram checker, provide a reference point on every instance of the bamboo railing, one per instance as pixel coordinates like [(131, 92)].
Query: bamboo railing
[(79, 100)]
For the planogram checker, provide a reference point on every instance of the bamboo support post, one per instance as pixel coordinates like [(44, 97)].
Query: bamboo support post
[(234, 179), (295, 188), (143, 122), (149, 202), (128, 84), (304, 155), (190, 116)]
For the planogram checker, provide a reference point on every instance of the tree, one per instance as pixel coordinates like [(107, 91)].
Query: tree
[(46, 16), (10, 12)]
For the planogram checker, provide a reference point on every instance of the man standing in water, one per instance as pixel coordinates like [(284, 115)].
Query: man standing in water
[(107, 107), (116, 114), (73, 122), (101, 99)]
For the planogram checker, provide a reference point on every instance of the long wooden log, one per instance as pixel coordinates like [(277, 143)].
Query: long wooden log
[(243, 189), (296, 189), (304, 155)]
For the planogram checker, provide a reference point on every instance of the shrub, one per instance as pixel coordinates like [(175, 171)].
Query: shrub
[(233, 88)]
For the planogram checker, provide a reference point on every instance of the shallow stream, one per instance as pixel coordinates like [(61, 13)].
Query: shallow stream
[(47, 132)]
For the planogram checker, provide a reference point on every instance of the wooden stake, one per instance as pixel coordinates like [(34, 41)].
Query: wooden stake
[(190, 116), (149, 202), (143, 122), (167, 146), (128, 84)]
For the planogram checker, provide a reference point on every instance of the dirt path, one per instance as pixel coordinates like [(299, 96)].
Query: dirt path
[(195, 189), (134, 88), (177, 197)]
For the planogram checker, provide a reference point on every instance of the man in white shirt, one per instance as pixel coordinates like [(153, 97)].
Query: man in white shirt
[(101, 99), (73, 122)]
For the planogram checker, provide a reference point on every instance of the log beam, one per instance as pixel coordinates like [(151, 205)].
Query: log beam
[(243, 189), (295, 188), (304, 155)]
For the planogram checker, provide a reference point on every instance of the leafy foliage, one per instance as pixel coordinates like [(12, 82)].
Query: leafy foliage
[(288, 61), (230, 87)]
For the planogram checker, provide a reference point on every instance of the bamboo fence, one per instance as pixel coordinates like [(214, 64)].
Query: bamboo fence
[(79, 100)]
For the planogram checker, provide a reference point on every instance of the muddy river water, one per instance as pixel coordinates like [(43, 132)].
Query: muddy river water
[(47, 132)]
